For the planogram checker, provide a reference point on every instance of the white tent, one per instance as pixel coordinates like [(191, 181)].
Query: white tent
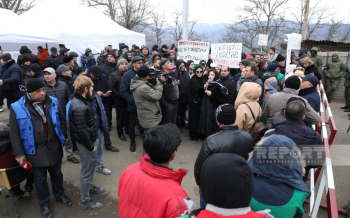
[(54, 22)]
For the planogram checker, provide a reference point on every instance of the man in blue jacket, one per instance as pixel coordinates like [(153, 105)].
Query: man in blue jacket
[(127, 94), (309, 92), (38, 132), (87, 60)]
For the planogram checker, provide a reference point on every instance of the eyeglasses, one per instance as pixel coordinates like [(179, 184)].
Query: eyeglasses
[(199, 71)]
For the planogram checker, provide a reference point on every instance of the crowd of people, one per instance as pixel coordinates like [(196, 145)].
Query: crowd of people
[(55, 101)]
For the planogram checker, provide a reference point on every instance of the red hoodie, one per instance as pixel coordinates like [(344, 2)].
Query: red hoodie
[(147, 190)]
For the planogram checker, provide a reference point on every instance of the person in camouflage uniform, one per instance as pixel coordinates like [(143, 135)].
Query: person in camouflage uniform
[(334, 70), (347, 91), (315, 58)]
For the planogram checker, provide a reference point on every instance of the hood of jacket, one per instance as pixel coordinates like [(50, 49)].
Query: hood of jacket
[(248, 92), (24, 49), (154, 47), (270, 85), (137, 82), (315, 49), (337, 57), (220, 192), (288, 171), (155, 55), (178, 62)]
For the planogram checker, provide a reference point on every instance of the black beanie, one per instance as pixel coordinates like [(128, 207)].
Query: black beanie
[(36, 68), (280, 58), (143, 71), (293, 82), (35, 84), (113, 54), (67, 59), (226, 114), (96, 71)]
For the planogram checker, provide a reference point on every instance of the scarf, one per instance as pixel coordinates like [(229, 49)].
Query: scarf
[(303, 92), (38, 108)]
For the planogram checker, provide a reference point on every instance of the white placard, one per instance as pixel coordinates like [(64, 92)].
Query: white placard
[(226, 54), (294, 42), (192, 50), (263, 39)]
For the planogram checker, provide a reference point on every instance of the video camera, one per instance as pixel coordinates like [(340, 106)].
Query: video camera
[(154, 74)]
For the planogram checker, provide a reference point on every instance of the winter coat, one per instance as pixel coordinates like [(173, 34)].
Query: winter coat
[(58, 61), (69, 82), (87, 61), (27, 75), (229, 139), (100, 84), (279, 100), (335, 68), (230, 84), (125, 91), (109, 68), (347, 78), (114, 82), (183, 76), (194, 107), (48, 149), (49, 61), (25, 51), (272, 57), (256, 80), (12, 77), (313, 69), (42, 56), (283, 183), (312, 96), (147, 101), (248, 95), (82, 121), (270, 87), (315, 58), (60, 91), (101, 60), (142, 184)]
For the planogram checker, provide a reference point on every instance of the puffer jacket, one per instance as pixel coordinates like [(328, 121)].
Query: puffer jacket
[(150, 190), (315, 58), (82, 121), (335, 68), (229, 139), (25, 51), (12, 77), (248, 94), (61, 91), (147, 101), (42, 56)]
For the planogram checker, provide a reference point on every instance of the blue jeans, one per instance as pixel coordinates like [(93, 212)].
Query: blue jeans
[(99, 148), (202, 202), (145, 130)]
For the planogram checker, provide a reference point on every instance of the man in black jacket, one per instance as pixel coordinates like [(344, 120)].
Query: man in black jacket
[(65, 75), (230, 139), (59, 60), (121, 105), (183, 77), (25, 51), (11, 79), (49, 59), (83, 125), (229, 83)]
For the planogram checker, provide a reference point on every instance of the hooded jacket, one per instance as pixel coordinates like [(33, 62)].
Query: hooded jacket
[(42, 56), (25, 51), (147, 101), (149, 190), (248, 94), (270, 87), (335, 68), (279, 100), (87, 61), (279, 187), (183, 76), (315, 58)]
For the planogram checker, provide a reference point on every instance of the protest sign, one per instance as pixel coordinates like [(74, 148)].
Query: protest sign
[(195, 51), (226, 54), (263, 39), (294, 42)]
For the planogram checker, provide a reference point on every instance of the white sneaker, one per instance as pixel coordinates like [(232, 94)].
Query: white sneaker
[(1, 109), (103, 170)]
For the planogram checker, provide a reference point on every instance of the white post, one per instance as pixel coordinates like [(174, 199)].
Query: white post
[(185, 20)]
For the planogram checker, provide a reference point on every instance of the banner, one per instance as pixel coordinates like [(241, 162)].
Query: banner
[(294, 42), (226, 54), (195, 51), (263, 39)]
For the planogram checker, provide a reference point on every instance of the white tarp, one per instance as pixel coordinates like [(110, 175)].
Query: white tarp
[(54, 22)]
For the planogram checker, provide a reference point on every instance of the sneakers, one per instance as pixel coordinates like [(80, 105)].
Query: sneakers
[(97, 190), (103, 170), (91, 205), (1, 109), (27, 195)]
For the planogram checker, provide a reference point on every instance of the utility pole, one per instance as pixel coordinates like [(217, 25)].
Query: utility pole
[(306, 19), (185, 20)]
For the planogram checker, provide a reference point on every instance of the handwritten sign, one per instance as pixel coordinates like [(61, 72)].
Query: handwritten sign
[(294, 42), (195, 51), (226, 54), (263, 39)]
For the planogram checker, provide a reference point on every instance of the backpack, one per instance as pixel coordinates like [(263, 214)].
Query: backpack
[(258, 129)]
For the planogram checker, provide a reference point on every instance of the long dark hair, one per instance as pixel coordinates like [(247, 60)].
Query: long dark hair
[(188, 63)]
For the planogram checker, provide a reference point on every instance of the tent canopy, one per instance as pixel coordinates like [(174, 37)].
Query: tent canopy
[(76, 26)]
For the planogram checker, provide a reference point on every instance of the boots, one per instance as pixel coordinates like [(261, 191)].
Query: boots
[(132, 146)]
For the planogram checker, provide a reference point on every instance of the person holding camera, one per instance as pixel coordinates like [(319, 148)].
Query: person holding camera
[(147, 98)]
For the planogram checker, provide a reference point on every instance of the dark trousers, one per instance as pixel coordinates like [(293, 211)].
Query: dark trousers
[(28, 186), (107, 138), (181, 113), (73, 139), (108, 109), (170, 113), (41, 186), (122, 118), (132, 123), (1, 100)]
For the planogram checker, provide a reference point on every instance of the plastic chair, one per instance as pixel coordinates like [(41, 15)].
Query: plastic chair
[(11, 177)]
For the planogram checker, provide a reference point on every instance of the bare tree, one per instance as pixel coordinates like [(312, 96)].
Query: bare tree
[(317, 16), (159, 27), (17, 6), (258, 17), (333, 29), (346, 35), (131, 14)]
